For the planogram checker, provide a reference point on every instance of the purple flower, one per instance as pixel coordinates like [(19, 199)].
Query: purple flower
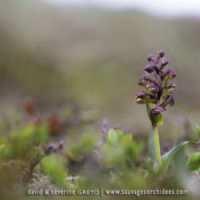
[(149, 58), (149, 68), (171, 86), (151, 96), (154, 60), (158, 88), (161, 53), (157, 110), (171, 73), (140, 94), (142, 80), (168, 100), (165, 61), (153, 87), (140, 97), (172, 102), (157, 77)]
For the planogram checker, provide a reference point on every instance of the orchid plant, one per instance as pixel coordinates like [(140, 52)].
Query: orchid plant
[(157, 92)]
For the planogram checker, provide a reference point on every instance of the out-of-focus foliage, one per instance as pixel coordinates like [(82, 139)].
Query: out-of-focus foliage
[(120, 151), (21, 143), (55, 167), (78, 150), (112, 160), (198, 130), (194, 161)]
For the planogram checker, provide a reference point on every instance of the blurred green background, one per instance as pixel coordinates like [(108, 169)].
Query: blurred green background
[(93, 57)]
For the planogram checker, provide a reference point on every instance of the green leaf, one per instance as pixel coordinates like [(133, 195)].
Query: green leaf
[(165, 79), (113, 137), (194, 161), (197, 129), (159, 119), (169, 155), (119, 132), (54, 166), (41, 135), (165, 94), (4, 151), (151, 145), (149, 111), (87, 143), (151, 117)]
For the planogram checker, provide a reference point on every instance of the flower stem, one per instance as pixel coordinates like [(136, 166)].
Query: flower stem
[(157, 144)]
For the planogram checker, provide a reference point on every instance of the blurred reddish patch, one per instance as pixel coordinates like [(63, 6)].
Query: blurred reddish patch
[(29, 107), (54, 124)]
